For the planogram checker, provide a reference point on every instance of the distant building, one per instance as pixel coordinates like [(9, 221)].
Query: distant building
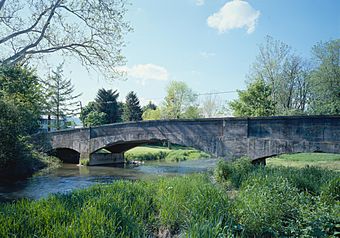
[(47, 124), (50, 124)]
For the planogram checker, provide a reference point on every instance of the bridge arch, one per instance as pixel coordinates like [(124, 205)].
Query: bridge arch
[(67, 155)]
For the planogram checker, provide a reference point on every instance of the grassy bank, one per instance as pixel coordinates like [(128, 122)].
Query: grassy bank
[(265, 202), (176, 153), (122, 209), (323, 160)]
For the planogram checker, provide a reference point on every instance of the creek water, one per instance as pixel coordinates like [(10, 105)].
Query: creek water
[(70, 177)]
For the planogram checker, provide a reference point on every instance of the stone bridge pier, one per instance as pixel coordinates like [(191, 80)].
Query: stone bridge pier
[(256, 138)]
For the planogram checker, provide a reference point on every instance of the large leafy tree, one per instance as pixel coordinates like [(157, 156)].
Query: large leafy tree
[(151, 114), (132, 109), (178, 100), (106, 101), (212, 106), (286, 74), (255, 101), (21, 102), (91, 31), (85, 111), (61, 98), (20, 86), (95, 118), (325, 79), (11, 131)]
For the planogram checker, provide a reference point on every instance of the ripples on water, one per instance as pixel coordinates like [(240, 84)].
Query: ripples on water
[(71, 176)]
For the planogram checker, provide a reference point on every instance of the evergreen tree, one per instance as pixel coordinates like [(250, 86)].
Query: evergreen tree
[(132, 109), (106, 101), (61, 96)]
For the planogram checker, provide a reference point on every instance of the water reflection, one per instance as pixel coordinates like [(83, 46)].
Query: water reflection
[(70, 177)]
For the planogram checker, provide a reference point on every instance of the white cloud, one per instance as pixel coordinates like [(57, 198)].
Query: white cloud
[(199, 2), (234, 14), (205, 54), (145, 72)]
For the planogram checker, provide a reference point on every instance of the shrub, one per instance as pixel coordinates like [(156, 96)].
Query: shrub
[(266, 205), (85, 162), (234, 172), (331, 191), (317, 218), (308, 179)]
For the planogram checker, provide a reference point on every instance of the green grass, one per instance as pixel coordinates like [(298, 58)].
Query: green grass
[(272, 201), (182, 205), (323, 160), (176, 153), (279, 201)]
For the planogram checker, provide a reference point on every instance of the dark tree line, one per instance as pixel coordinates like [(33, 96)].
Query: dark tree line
[(106, 109)]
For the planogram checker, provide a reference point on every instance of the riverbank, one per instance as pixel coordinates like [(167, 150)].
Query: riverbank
[(34, 163), (176, 153), (239, 199)]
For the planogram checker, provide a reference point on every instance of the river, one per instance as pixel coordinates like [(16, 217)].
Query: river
[(70, 177)]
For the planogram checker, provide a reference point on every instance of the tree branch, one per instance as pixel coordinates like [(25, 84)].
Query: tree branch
[(26, 30), (18, 56)]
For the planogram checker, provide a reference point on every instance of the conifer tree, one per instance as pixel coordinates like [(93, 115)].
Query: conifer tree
[(61, 98), (106, 101), (132, 109)]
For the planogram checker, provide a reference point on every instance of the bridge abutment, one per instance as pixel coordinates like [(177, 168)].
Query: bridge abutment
[(109, 158)]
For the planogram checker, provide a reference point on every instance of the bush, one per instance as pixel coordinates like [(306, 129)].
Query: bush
[(331, 191), (308, 179), (266, 205), (234, 172), (317, 218)]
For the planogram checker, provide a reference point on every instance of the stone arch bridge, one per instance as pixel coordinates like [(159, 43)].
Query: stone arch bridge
[(257, 138)]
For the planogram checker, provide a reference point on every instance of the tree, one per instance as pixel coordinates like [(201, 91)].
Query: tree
[(192, 112), (95, 118), (286, 74), (21, 87), (90, 107), (106, 101), (61, 96), (11, 128), (212, 106), (178, 99), (255, 101), (91, 31), (325, 79), (150, 114), (150, 105), (132, 110)]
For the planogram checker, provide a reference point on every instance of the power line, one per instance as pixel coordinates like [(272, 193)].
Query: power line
[(215, 93), (203, 94)]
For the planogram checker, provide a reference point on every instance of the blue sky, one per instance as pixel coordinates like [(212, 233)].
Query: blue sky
[(208, 44)]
